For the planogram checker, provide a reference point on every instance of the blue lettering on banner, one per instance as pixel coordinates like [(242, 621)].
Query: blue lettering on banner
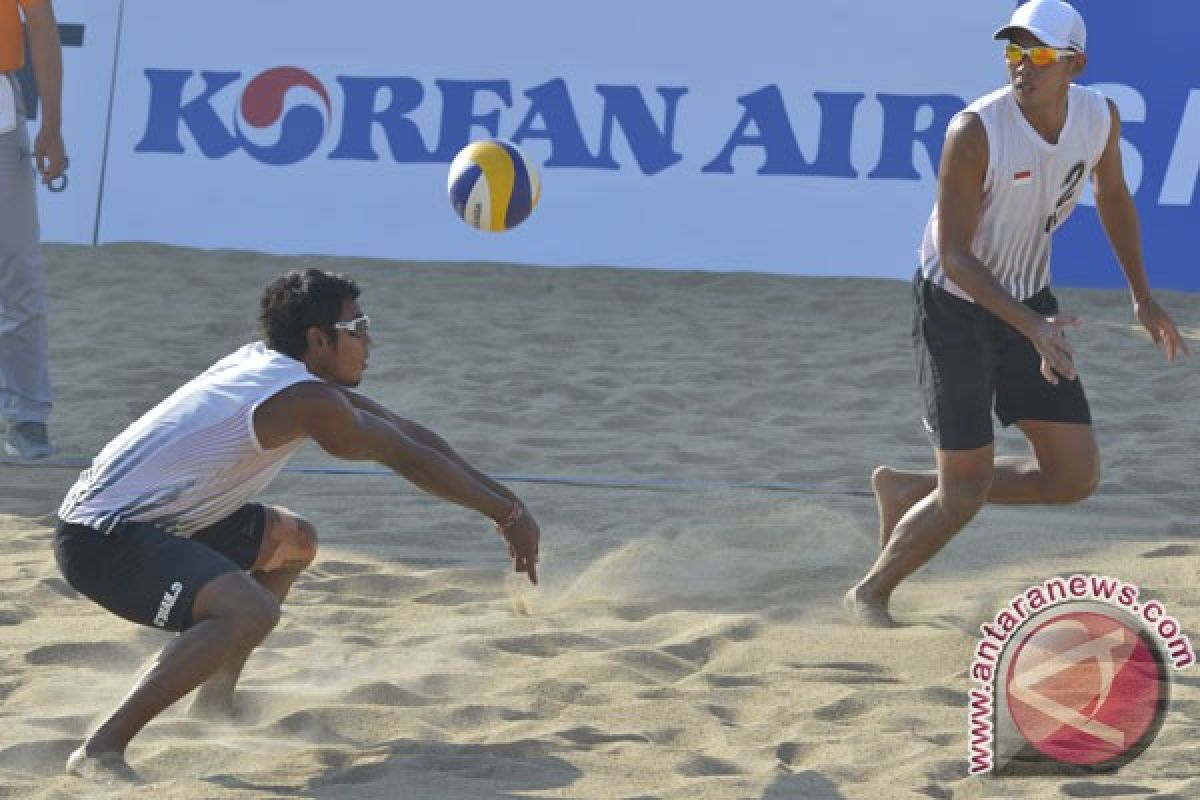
[(261, 105), (179, 103), (765, 110), (359, 117), (550, 116), (551, 104), (651, 144), (168, 110), (900, 133), (459, 117)]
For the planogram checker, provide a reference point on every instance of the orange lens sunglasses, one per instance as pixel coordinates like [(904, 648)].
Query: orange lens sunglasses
[(1039, 55)]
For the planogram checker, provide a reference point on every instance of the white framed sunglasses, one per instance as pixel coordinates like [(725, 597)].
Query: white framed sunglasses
[(358, 327)]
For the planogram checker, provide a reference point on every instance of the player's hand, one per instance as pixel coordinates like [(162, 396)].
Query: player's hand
[(49, 154), (522, 538), (1162, 330), (1058, 357)]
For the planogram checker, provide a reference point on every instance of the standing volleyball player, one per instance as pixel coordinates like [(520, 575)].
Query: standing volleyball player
[(163, 528), (987, 330)]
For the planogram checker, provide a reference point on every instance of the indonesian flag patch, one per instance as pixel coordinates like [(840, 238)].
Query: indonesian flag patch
[(1022, 177)]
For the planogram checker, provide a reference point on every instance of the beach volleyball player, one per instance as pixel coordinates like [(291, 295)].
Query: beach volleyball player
[(163, 529), (987, 330)]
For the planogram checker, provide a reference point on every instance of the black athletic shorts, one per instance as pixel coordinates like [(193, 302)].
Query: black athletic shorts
[(970, 361), (149, 576)]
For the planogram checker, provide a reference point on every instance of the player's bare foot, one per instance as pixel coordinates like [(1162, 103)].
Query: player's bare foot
[(866, 610), (896, 492), (109, 768)]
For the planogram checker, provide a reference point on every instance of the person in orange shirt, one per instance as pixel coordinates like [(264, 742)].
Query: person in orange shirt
[(25, 395)]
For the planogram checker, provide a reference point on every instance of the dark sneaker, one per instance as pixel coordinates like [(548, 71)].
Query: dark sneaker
[(28, 440)]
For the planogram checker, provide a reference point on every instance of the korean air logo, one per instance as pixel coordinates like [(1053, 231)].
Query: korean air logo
[(291, 133), (284, 115), (280, 118)]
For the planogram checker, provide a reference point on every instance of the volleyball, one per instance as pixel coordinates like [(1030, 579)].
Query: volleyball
[(493, 186)]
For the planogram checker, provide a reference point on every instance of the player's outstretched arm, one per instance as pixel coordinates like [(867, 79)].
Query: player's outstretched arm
[(1119, 216), (424, 436), (522, 534), (326, 415)]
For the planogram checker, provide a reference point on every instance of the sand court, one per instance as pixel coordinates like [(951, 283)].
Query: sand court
[(685, 642)]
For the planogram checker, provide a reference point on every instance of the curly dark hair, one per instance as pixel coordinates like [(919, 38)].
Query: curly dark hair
[(299, 300)]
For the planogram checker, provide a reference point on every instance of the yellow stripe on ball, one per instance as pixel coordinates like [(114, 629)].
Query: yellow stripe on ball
[(500, 175)]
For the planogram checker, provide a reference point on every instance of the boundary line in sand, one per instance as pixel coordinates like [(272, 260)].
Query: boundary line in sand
[(590, 482)]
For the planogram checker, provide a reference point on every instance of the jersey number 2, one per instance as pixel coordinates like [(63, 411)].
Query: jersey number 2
[(1070, 184)]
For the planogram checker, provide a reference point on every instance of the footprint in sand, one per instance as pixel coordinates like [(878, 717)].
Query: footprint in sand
[(307, 726), (358, 639), (720, 681), (15, 615), (589, 736), (654, 664), (701, 650), (726, 715), (1096, 789), (9, 686), (707, 767), (383, 693), (940, 695), (847, 708), (943, 771), (940, 739), (473, 717), (549, 645), (103, 656), (793, 753), (358, 774), (1171, 550), (850, 673), (936, 792)]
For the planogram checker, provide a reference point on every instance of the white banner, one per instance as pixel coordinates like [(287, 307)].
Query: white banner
[(771, 136)]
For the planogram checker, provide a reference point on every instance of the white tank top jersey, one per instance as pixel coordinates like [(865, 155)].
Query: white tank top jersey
[(1030, 188), (193, 459)]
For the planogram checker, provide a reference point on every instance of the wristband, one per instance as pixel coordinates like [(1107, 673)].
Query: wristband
[(510, 519)]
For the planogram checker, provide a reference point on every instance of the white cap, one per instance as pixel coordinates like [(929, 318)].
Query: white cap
[(1054, 22)]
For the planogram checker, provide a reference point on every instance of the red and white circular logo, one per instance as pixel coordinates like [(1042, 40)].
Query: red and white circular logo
[(1087, 688)]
